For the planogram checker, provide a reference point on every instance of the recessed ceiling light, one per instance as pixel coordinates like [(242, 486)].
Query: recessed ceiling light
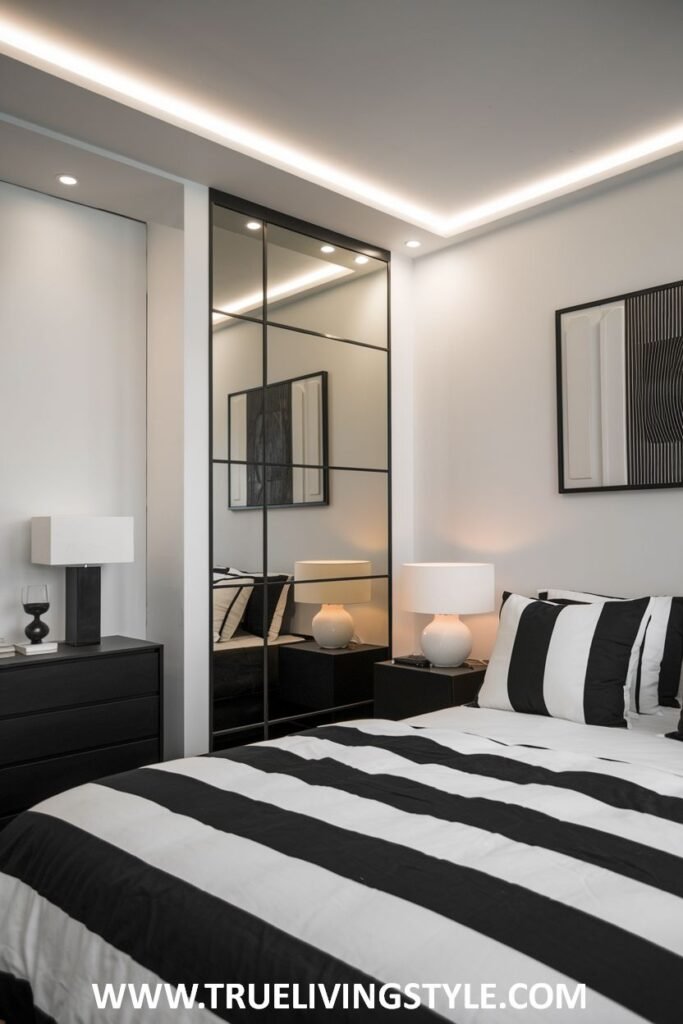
[(327, 248), (412, 243), (253, 225), (67, 179), (361, 259)]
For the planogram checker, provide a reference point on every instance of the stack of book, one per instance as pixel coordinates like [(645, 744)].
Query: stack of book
[(6, 648), (46, 647)]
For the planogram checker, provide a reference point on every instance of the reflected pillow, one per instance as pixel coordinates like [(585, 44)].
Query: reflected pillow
[(229, 603), (278, 591), (564, 661), (656, 677)]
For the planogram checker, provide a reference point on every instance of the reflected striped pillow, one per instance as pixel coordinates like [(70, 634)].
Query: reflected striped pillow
[(230, 599), (564, 661)]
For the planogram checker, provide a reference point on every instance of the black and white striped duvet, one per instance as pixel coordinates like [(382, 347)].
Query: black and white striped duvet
[(371, 850)]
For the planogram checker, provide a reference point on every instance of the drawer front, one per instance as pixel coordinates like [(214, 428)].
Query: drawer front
[(65, 683), (27, 784), (29, 737)]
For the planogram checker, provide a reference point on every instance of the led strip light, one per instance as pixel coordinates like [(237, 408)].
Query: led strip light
[(40, 52)]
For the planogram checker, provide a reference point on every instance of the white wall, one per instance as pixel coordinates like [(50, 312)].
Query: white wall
[(486, 467), (72, 393)]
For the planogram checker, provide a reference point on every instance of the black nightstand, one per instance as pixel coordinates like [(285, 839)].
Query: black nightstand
[(402, 691), (316, 678), (76, 716)]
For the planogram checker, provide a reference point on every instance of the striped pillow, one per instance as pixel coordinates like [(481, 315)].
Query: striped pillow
[(565, 661), (230, 600), (657, 677)]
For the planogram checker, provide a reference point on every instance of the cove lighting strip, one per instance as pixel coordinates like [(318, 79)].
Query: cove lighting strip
[(38, 51), (280, 291)]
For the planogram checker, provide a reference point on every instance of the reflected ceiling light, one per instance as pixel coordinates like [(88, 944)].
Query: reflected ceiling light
[(361, 259), (74, 66), (412, 243), (67, 179), (280, 291), (327, 248), (254, 225)]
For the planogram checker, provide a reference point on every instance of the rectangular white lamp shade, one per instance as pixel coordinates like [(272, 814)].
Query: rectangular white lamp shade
[(356, 590), (448, 588), (81, 540)]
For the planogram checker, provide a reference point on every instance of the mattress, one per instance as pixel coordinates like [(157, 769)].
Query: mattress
[(465, 851)]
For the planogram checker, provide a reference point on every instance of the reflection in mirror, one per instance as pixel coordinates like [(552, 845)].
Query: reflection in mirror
[(319, 287), (291, 401), (237, 366), (237, 540), (370, 616), (354, 526), (237, 265), (291, 438), (356, 392)]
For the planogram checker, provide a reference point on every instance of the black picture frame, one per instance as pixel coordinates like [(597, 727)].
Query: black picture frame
[(267, 464), (670, 298)]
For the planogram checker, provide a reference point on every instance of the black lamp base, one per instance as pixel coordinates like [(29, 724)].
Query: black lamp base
[(83, 598)]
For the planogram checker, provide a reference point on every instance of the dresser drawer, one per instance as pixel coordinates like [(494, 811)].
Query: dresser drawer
[(25, 688), (29, 737), (27, 784)]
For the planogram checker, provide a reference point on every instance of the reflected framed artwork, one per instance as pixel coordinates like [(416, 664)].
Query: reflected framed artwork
[(279, 458)]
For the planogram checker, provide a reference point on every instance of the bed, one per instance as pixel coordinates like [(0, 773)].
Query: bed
[(468, 846)]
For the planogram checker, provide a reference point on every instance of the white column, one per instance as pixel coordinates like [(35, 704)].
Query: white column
[(196, 470), (405, 627)]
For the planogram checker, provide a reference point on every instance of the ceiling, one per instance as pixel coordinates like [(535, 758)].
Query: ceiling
[(386, 119)]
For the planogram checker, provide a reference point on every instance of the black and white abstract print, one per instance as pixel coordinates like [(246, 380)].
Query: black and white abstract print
[(620, 377)]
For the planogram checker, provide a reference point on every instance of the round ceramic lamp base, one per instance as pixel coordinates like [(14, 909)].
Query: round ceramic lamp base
[(446, 641), (332, 627)]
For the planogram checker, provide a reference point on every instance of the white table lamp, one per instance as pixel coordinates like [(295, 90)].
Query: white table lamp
[(332, 625), (82, 544), (447, 590)]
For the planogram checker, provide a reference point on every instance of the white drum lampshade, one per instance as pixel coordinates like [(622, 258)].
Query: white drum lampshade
[(447, 590), (333, 584), (82, 544)]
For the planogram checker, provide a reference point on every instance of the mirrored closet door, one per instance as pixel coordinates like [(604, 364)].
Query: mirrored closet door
[(301, 498)]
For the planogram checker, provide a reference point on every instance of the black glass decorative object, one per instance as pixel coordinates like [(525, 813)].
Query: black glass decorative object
[(36, 602)]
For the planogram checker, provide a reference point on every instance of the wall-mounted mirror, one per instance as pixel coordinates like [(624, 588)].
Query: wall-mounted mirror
[(620, 392), (300, 451)]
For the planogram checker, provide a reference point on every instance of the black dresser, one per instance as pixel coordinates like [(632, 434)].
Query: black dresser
[(75, 716)]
